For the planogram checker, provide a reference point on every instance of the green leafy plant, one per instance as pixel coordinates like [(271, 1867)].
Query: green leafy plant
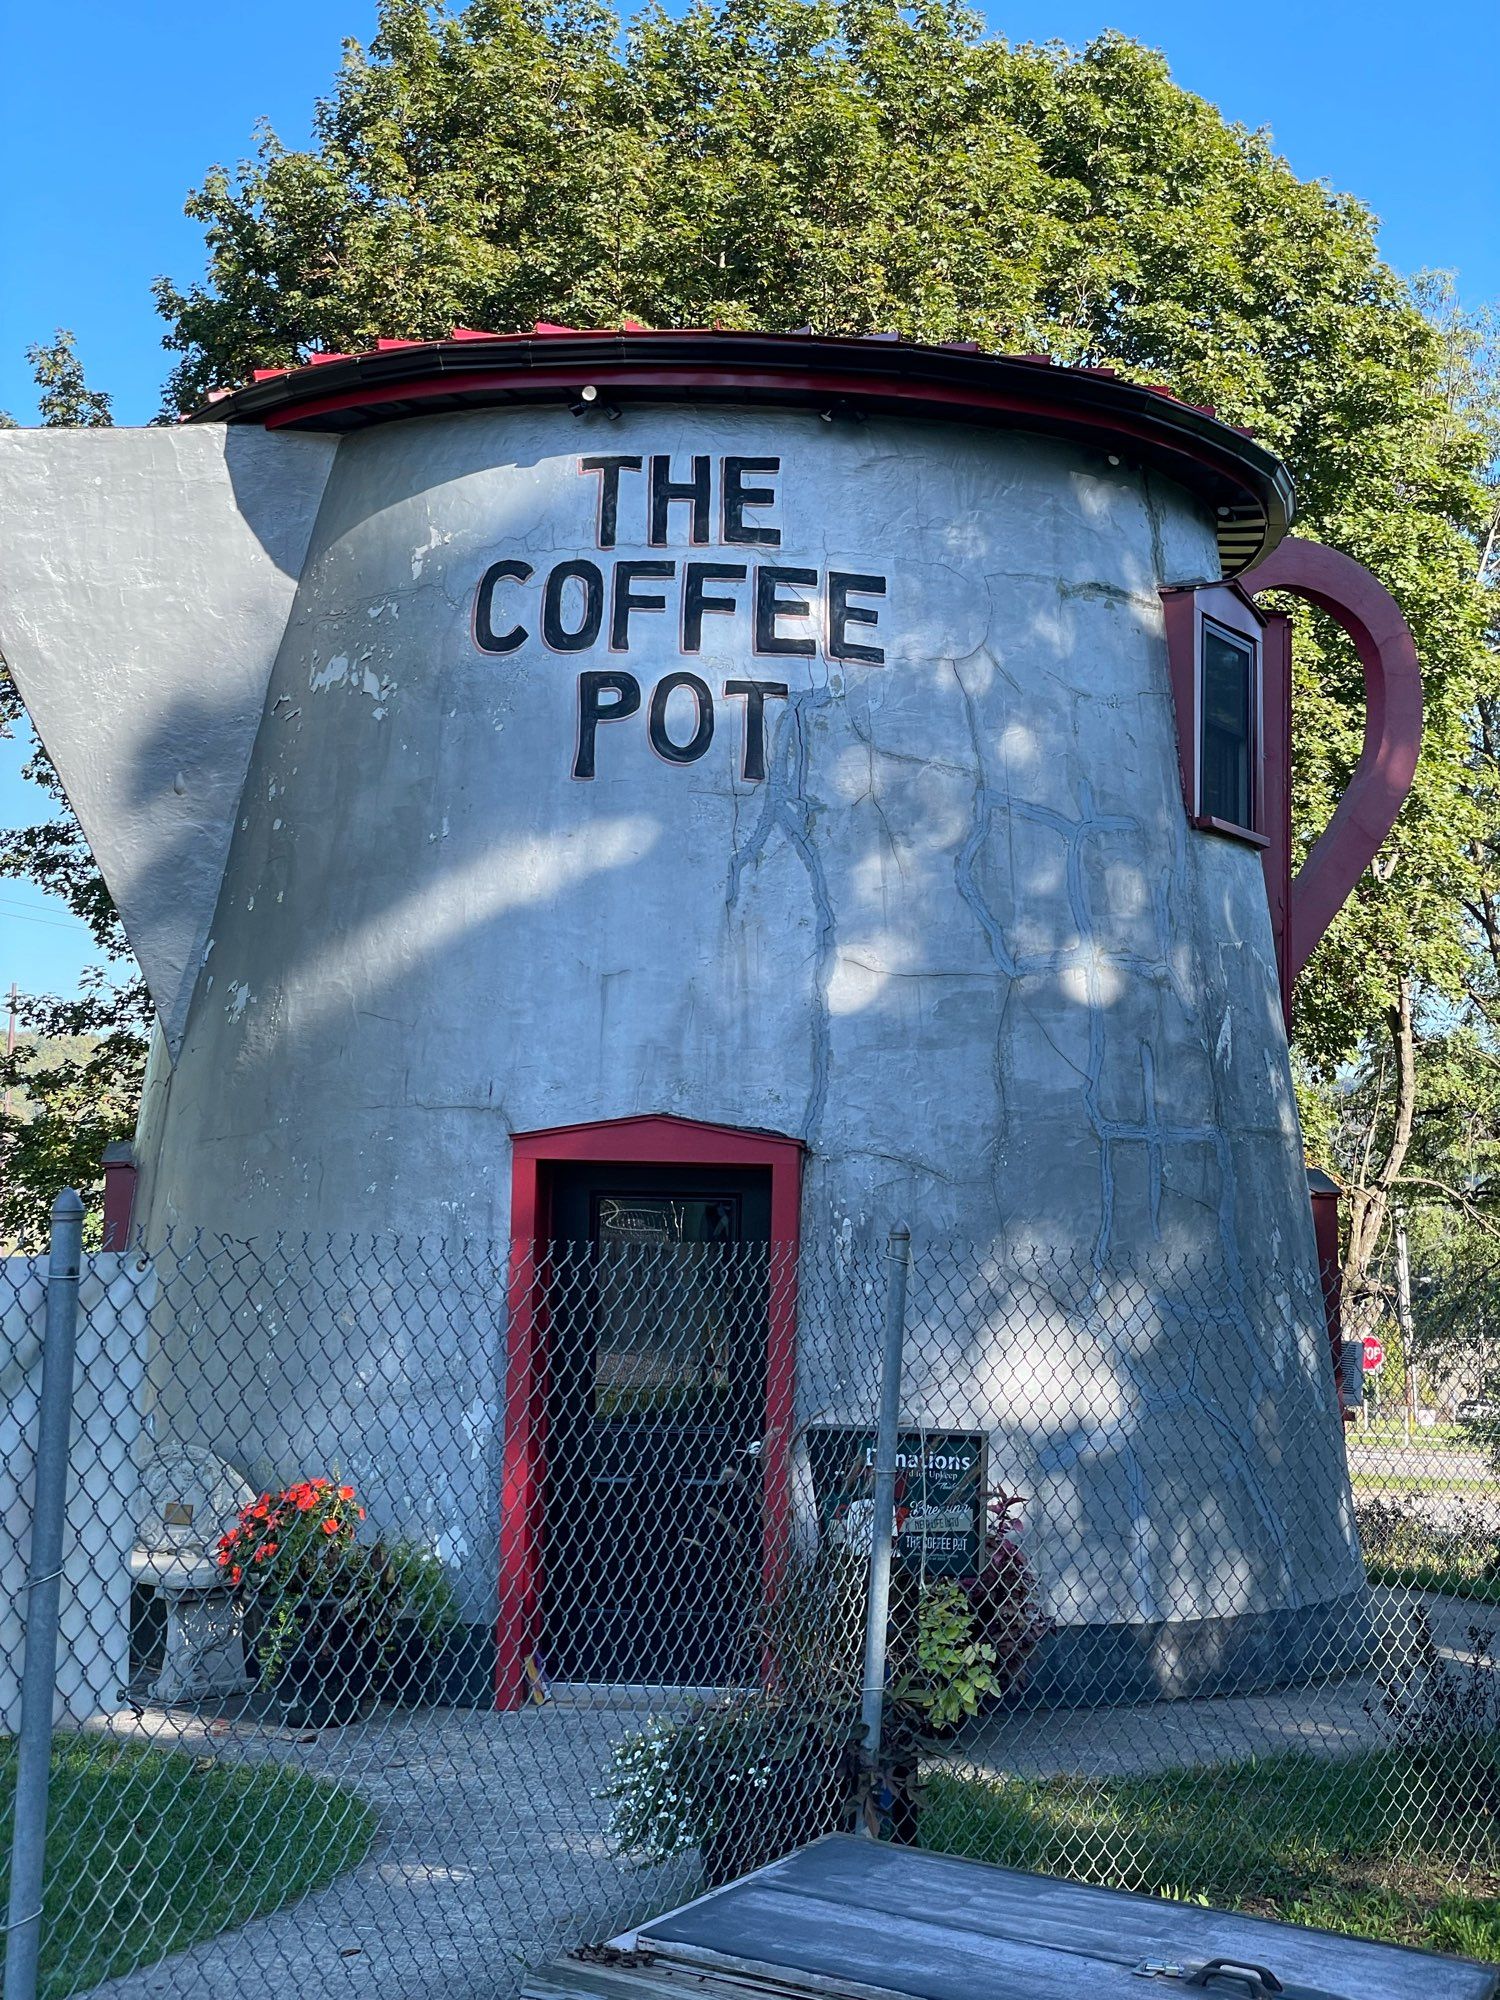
[(952, 1670), (424, 1592), (418, 1659)]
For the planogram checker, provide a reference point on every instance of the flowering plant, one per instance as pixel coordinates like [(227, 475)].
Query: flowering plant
[(290, 1534), (743, 1779), (296, 1556)]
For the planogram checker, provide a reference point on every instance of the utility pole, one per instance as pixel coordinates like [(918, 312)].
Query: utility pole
[(1403, 1315), (10, 1043)]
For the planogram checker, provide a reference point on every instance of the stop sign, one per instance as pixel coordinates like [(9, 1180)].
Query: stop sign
[(1374, 1355)]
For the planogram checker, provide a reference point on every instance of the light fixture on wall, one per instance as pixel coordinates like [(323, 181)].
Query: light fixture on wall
[(587, 403)]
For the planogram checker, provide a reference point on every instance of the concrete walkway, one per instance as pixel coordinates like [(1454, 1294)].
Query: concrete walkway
[(494, 1847), (492, 1853), (1331, 1719)]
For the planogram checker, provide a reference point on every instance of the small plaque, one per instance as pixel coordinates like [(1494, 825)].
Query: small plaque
[(177, 1514)]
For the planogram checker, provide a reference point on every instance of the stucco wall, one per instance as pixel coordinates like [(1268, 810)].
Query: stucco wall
[(959, 939)]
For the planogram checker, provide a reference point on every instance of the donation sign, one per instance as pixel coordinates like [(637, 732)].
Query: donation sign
[(939, 1494)]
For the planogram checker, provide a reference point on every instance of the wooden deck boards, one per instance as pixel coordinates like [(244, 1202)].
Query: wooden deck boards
[(848, 1919)]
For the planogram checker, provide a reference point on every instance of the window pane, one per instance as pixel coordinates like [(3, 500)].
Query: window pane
[(669, 1272), (1224, 788)]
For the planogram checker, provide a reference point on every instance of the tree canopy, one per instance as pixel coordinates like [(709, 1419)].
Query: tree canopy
[(854, 166), (857, 166)]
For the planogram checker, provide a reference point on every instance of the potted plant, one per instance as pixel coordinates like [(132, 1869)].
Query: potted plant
[(319, 1605), (419, 1658), (743, 1779), (956, 1647), (746, 1778)]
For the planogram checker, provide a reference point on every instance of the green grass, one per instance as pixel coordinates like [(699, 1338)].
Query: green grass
[(150, 1851), (1442, 1574), (1377, 1483), (1380, 1846), (1391, 1430), (1377, 1847)]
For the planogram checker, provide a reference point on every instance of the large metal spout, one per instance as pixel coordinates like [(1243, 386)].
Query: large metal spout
[(145, 581)]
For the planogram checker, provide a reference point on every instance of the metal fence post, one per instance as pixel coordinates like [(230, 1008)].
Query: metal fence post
[(878, 1604), (23, 1930)]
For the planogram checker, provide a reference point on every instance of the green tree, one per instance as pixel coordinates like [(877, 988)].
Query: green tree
[(1416, 1115), (72, 1085), (63, 397)]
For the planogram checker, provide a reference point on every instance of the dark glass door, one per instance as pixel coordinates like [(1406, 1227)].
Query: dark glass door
[(657, 1306)]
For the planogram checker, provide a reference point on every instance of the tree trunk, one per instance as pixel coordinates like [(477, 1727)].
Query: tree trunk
[(1370, 1191)]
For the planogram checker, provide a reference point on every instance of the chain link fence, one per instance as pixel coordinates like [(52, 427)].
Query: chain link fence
[(427, 1608)]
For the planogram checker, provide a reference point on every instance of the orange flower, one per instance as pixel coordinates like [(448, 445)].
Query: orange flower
[(361, 1512), (346, 1493), (235, 1574), (306, 1500), (330, 1526)]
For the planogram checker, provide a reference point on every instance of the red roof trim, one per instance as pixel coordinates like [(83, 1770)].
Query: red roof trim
[(878, 374), (614, 375), (552, 1141)]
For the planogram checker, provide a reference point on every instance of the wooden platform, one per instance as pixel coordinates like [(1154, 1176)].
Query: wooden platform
[(848, 1919)]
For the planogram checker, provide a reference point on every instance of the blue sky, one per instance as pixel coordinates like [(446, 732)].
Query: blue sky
[(114, 111)]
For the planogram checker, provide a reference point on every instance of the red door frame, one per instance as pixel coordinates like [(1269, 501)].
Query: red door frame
[(650, 1141)]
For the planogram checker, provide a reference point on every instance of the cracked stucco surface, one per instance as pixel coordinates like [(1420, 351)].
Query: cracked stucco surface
[(960, 941)]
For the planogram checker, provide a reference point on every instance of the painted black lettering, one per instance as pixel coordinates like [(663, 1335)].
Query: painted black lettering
[(656, 721), (696, 600), (553, 630), (627, 600), (591, 711), (665, 491), (842, 614), (756, 694), (770, 609), (486, 637), (738, 496), (609, 470)]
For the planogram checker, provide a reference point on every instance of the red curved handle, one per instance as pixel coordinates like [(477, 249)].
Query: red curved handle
[(1382, 778)]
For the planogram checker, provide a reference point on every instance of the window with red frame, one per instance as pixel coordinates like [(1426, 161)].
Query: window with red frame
[(1216, 660)]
